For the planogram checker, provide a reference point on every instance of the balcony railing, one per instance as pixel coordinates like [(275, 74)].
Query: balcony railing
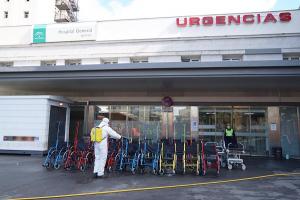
[(74, 5), (63, 5), (62, 16), (72, 15)]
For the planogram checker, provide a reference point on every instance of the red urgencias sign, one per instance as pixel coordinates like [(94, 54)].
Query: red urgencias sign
[(231, 19)]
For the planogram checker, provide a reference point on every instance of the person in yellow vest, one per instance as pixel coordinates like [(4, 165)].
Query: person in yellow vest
[(99, 136), (229, 136)]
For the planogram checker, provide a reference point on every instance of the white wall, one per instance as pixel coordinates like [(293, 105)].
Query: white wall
[(167, 28), (210, 50), (16, 44), (155, 28), (90, 61), (24, 63), (59, 61), (155, 59), (263, 57), (124, 60), (18, 35), (26, 116), (40, 12), (211, 58)]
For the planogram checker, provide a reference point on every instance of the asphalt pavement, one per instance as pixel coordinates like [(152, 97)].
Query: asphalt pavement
[(24, 176)]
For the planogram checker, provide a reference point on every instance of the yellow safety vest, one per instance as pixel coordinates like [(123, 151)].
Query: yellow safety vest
[(96, 134), (229, 132)]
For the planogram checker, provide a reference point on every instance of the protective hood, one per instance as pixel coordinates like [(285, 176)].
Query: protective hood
[(104, 122)]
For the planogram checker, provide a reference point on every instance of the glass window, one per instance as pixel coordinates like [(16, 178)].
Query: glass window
[(207, 119), (134, 121), (258, 120), (155, 122), (149, 121), (291, 57), (48, 63), (26, 14), (190, 58), (241, 117), (223, 117), (73, 62), (5, 14), (6, 64), (139, 60), (181, 119), (109, 61), (232, 57), (289, 131), (295, 58)]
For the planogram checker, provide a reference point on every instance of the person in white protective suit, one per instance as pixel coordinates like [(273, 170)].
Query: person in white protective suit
[(101, 148)]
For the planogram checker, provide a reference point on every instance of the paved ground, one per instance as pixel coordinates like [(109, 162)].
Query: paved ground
[(23, 176)]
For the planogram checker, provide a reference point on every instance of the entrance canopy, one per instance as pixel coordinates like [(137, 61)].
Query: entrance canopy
[(247, 81)]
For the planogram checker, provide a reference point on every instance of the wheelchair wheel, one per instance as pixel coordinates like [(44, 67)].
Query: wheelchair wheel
[(68, 167), (110, 169), (161, 172), (243, 167), (56, 166), (154, 172), (142, 170), (82, 167), (229, 166), (133, 171), (218, 170), (223, 164), (47, 165)]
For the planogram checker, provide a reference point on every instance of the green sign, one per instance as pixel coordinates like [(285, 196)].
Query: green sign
[(39, 34)]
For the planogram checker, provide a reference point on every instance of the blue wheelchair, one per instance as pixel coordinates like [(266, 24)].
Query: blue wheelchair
[(61, 156), (129, 155), (53, 152), (149, 156)]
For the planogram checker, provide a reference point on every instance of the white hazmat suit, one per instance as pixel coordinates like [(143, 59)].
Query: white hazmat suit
[(101, 147)]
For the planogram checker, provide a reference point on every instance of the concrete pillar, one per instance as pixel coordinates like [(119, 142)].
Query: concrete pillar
[(67, 134), (90, 118), (273, 128)]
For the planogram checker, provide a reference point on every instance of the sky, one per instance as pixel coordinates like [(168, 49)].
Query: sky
[(91, 10)]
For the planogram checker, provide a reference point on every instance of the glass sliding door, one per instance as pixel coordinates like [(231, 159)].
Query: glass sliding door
[(223, 117), (251, 129), (155, 122), (182, 122), (248, 122), (207, 123), (289, 128)]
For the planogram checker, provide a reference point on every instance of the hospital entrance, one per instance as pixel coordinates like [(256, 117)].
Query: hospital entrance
[(259, 128)]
